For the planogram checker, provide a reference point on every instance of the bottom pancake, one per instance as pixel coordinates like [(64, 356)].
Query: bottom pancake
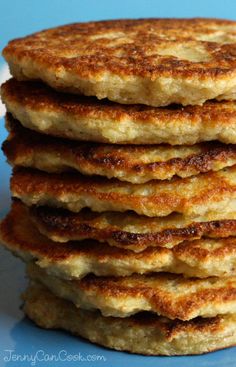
[(143, 333)]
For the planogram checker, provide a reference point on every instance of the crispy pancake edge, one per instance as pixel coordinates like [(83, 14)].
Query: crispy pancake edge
[(165, 294), (159, 336), (40, 108), (135, 164), (200, 258), (211, 194), (143, 63)]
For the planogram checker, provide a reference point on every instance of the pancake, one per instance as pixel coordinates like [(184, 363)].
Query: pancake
[(149, 61), (127, 230), (210, 194), (165, 294), (135, 164), (40, 108), (143, 333), (202, 258)]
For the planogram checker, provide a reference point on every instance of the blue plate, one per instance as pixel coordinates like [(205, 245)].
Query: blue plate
[(24, 344)]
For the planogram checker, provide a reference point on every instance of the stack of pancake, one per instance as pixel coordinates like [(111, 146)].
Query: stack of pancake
[(122, 140)]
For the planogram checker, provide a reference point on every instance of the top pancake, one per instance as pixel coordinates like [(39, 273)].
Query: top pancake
[(40, 108), (149, 61)]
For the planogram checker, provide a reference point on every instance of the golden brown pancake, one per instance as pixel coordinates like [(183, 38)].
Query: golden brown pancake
[(202, 258), (40, 108), (127, 230), (210, 194), (166, 294), (149, 61), (135, 164), (143, 333)]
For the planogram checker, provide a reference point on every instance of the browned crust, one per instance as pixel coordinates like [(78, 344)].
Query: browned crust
[(39, 97), (163, 199), (42, 299), (18, 233), (14, 235), (173, 328), (170, 328), (160, 290), (23, 145), (72, 48), (87, 224)]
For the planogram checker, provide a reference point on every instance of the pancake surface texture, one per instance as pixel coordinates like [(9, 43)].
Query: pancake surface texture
[(122, 139), (202, 258), (149, 61), (166, 294), (211, 194), (143, 333), (127, 230), (42, 109), (135, 164)]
